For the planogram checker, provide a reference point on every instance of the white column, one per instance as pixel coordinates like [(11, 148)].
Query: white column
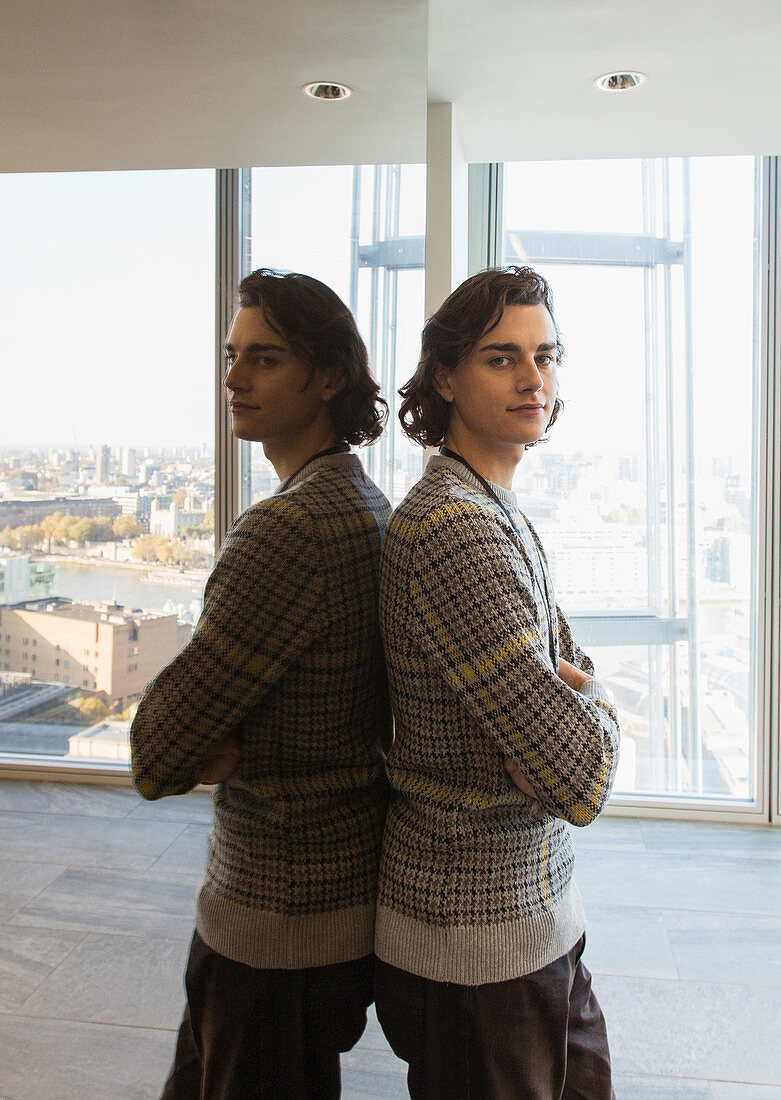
[(447, 193)]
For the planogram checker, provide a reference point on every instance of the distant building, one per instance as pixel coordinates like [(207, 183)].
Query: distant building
[(597, 569), (16, 513), (170, 522), (103, 465), (717, 561), (263, 480), (102, 648), (129, 463), (22, 578)]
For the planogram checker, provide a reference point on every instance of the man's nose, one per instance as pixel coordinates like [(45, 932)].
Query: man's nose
[(233, 375), (527, 376)]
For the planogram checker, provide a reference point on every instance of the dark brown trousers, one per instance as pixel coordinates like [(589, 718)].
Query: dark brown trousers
[(277, 1034), (538, 1037)]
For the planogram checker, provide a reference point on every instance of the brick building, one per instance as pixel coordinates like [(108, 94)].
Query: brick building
[(104, 648)]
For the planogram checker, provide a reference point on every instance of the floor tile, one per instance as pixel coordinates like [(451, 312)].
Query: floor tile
[(373, 1075), (728, 948), (731, 1090), (373, 1037), (610, 832), (74, 1061), (194, 808), (635, 1087), (622, 939), (21, 882), (115, 980), (78, 799), (27, 958), (674, 881), (187, 854), (134, 903), (98, 888), (692, 1029), (83, 841), (714, 838)]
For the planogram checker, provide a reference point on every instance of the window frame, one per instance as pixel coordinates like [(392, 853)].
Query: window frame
[(486, 202), (485, 239)]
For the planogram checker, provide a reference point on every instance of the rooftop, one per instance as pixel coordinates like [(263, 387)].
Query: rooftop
[(88, 612)]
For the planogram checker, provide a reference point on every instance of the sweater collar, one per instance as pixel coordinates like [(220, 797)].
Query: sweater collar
[(507, 496), (345, 461)]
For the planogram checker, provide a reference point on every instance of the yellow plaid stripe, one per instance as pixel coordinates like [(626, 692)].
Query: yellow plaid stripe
[(451, 795), (332, 782), (580, 814)]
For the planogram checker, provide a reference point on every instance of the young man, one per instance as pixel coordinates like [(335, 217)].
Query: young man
[(502, 733), (281, 693)]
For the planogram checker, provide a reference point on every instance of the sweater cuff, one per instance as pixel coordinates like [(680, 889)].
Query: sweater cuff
[(593, 689)]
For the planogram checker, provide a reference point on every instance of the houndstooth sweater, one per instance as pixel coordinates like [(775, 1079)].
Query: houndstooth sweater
[(287, 656), (476, 879)]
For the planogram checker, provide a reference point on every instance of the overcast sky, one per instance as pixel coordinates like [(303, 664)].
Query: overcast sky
[(107, 296)]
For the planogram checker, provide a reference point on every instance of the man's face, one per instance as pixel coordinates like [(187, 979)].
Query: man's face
[(273, 395), (503, 392)]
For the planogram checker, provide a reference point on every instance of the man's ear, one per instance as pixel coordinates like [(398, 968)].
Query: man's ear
[(334, 384), (441, 379)]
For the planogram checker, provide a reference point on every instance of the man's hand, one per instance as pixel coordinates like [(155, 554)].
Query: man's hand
[(518, 778), (572, 676), (222, 762)]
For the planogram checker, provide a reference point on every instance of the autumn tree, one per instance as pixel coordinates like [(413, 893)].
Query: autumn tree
[(22, 538), (28, 536), (147, 548), (92, 709), (126, 527)]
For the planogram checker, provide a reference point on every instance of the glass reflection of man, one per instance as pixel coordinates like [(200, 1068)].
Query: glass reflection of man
[(281, 698), (503, 736)]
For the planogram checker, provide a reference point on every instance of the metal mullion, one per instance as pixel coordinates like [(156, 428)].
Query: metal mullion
[(674, 714), (232, 212), (655, 710), (773, 756), (486, 211), (768, 586), (694, 732)]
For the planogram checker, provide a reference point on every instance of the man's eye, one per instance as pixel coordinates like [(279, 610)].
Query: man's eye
[(544, 360), (499, 361)]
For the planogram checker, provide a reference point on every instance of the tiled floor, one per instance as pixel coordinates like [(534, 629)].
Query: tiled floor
[(96, 900)]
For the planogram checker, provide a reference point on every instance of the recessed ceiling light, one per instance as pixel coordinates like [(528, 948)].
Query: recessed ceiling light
[(620, 82), (327, 89)]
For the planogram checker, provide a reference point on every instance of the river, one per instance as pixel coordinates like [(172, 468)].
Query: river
[(131, 587)]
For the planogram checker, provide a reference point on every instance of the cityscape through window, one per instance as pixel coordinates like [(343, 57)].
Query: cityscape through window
[(644, 495), (106, 448)]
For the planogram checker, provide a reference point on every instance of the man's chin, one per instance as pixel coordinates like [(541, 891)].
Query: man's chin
[(244, 431)]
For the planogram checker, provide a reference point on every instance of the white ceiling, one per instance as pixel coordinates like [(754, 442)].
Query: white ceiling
[(101, 84), (192, 83), (523, 74)]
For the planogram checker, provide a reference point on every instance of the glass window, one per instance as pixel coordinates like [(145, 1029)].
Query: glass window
[(644, 495), (360, 230), (107, 454)]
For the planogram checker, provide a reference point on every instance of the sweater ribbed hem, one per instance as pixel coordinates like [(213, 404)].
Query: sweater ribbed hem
[(594, 689), (479, 954), (278, 941)]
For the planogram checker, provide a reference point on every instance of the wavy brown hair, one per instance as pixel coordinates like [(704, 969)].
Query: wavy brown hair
[(449, 336), (322, 332)]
